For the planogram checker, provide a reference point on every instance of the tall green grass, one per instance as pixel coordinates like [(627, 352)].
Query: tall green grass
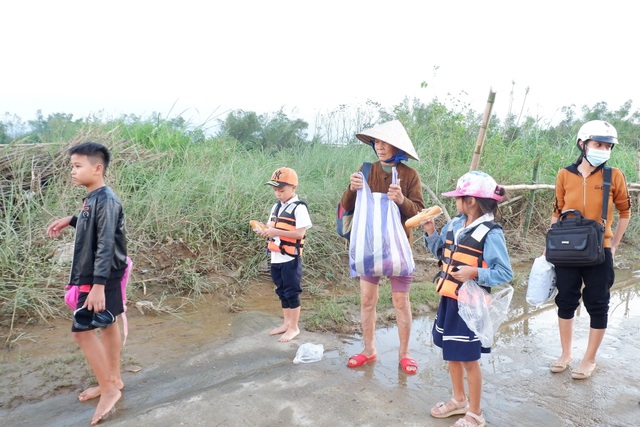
[(188, 201)]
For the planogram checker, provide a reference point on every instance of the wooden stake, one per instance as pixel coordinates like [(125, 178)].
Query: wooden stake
[(483, 130)]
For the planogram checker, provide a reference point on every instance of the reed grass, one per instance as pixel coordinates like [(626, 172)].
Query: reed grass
[(188, 200)]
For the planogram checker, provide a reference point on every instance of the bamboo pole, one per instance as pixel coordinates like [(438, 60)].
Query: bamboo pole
[(483, 131), (632, 188), (511, 201), (532, 197), (638, 174), (517, 187)]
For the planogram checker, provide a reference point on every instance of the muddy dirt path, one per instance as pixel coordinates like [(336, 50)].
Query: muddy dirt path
[(215, 368)]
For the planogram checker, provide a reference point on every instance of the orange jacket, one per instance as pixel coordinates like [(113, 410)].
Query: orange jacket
[(585, 194)]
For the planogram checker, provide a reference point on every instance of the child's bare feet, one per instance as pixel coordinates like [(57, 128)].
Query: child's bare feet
[(106, 405), (93, 392), (279, 330), (90, 393), (289, 335)]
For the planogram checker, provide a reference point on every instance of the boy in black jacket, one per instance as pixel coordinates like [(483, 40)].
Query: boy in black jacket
[(99, 262)]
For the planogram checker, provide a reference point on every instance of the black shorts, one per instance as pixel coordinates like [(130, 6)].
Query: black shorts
[(113, 300)]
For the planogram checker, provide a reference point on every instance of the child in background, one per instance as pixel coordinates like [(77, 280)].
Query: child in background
[(99, 263), (288, 222), (471, 246)]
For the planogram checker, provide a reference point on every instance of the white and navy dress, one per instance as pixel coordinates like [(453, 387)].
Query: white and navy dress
[(450, 332)]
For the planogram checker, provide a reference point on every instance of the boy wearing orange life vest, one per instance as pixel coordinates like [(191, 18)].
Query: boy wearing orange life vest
[(288, 222)]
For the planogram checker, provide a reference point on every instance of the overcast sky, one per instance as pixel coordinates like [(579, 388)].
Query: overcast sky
[(203, 58)]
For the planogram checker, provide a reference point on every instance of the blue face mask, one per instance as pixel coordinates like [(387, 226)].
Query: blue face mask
[(597, 157)]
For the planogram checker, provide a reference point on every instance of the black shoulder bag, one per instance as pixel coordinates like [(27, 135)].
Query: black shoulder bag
[(574, 241)]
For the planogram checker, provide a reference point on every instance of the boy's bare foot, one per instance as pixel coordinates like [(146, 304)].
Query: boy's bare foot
[(289, 335), (106, 405), (279, 330), (93, 392), (90, 393)]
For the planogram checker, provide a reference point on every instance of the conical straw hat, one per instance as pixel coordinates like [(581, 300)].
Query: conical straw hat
[(393, 133)]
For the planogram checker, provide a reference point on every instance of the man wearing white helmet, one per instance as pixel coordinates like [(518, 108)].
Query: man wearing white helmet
[(579, 186)]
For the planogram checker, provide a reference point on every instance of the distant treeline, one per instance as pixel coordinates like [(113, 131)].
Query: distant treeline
[(276, 130)]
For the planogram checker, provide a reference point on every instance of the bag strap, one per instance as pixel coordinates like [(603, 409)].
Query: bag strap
[(394, 175), (606, 185), (123, 284), (275, 210), (366, 168)]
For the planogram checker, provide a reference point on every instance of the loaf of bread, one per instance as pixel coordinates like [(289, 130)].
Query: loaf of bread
[(423, 215), (257, 226)]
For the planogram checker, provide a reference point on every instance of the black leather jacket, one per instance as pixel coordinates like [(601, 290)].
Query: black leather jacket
[(100, 251)]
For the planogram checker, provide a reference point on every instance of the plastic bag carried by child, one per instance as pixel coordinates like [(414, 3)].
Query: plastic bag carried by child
[(541, 285), (483, 312)]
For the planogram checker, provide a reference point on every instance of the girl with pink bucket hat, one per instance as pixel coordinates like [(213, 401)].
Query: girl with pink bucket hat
[(470, 246)]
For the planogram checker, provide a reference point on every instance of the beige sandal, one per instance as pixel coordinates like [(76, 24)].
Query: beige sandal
[(452, 407), (559, 366), (478, 421)]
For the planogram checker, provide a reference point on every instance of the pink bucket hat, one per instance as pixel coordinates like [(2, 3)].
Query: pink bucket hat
[(476, 184)]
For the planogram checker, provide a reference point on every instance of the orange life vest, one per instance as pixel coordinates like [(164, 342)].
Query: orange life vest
[(285, 219), (468, 251)]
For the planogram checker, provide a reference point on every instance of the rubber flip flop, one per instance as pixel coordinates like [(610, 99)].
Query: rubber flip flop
[(360, 359), (102, 319), (407, 363), (82, 319)]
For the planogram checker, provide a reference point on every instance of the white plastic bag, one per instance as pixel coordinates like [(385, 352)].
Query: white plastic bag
[(483, 312), (541, 285), (308, 353), (378, 245)]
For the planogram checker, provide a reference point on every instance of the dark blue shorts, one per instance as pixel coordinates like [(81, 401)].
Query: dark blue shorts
[(287, 277)]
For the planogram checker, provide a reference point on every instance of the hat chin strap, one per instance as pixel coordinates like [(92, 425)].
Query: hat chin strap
[(583, 151), (396, 158)]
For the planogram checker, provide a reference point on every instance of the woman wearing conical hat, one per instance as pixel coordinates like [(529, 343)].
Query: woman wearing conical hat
[(392, 146)]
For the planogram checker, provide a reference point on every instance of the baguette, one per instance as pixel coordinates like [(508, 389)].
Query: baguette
[(423, 215), (257, 226)]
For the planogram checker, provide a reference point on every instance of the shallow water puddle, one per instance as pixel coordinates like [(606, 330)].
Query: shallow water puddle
[(527, 330)]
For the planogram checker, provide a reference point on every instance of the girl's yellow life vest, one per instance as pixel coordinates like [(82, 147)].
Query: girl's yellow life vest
[(468, 251), (285, 219)]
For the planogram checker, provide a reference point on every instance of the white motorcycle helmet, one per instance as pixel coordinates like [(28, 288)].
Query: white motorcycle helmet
[(598, 130)]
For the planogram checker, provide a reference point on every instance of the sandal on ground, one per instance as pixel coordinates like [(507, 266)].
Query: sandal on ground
[(577, 374), (359, 360), (450, 408), (478, 421), (559, 366), (407, 363)]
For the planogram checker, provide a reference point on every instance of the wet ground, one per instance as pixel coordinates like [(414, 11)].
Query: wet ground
[(213, 368)]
